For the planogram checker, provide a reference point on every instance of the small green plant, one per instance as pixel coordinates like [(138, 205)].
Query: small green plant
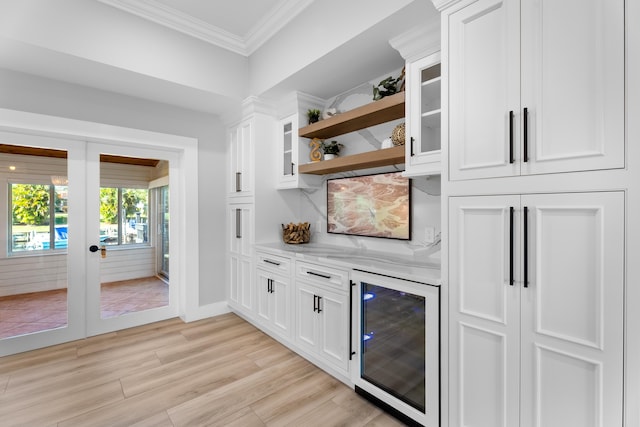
[(386, 87), (332, 147), (313, 115)]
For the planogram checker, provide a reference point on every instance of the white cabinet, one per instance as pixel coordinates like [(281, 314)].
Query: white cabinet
[(292, 154), (536, 309), (240, 259), (423, 117), (322, 314), (535, 87), (241, 162), (273, 293)]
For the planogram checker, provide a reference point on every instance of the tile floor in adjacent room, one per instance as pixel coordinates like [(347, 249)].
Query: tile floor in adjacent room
[(39, 311)]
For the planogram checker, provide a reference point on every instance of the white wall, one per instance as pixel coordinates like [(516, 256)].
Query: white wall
[(425, 192), (119, 42), (33, 94)]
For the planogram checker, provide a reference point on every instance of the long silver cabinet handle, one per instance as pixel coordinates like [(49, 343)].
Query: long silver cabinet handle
[(238, 223), (238, 182)]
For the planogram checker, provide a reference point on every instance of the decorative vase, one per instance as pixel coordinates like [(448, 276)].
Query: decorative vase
[(330, 156), (397, 136)]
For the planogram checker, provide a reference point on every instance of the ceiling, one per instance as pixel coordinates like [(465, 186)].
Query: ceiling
[(238, 27)]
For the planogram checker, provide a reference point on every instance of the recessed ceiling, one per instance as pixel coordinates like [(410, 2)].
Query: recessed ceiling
[(241, 26)]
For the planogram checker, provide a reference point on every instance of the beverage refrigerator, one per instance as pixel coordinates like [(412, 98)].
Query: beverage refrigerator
[(395, 345)]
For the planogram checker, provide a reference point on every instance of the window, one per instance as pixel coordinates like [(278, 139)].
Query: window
[(124, 216), (31, 213)]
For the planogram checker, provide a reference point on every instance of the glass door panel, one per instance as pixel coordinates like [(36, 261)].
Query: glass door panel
[(34, 282), (128, 272)]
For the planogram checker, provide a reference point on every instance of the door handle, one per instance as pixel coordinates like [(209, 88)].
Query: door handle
[(315, 303), (93, 248), (525, 248), (319, 309), (525, 136), (511, 158), (238, 223), (511, 237)]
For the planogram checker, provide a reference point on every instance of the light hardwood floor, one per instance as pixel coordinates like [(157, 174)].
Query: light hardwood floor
[(216, 372)]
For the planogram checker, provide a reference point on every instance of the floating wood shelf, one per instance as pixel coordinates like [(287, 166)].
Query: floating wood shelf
[(384, 110), (370, 159)]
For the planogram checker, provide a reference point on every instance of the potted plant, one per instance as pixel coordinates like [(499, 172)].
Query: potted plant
[(387, 87), (331, 149), (313, 115)]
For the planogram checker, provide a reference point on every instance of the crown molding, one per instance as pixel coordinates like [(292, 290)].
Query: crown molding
[(418, 42), (169, 17), (273, 22), (444, 4)]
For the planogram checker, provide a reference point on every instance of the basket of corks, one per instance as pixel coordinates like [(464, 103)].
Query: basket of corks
[(296, 233)]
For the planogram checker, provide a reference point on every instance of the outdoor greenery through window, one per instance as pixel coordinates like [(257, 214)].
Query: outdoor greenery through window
[(32, 210), (124, 216)]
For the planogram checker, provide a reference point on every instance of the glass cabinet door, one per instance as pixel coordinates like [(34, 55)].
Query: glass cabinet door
[(424, 116)]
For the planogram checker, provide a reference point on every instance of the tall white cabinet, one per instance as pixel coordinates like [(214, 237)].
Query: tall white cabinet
[(537, 286), (535, 87), (249, 190), (534, 237)]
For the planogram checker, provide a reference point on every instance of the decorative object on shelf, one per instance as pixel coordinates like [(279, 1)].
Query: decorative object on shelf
[(387, 143), (388, 86), (397, 135), (315, 155), (328, 113), (313, 115), (296, 233), (331, 149)]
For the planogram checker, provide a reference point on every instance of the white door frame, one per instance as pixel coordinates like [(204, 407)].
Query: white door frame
[(23, 125)]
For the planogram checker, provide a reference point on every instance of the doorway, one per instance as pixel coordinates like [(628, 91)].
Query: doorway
[(46, 267)]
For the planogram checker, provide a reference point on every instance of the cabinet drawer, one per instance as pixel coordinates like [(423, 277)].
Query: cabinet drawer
[(323, 275), (274, 263)]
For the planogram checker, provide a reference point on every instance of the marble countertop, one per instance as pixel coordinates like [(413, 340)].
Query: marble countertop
[(353, 258)]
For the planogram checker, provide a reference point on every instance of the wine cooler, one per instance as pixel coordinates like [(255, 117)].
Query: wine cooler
[(396, 346)]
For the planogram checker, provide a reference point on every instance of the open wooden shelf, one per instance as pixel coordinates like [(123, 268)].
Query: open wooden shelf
[(384, 110), (370, 159)]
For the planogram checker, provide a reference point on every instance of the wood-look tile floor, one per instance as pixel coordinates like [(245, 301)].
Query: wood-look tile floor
[(41, 311), (215, 372)]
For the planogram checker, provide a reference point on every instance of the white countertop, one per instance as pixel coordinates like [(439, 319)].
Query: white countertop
[(354, 258)]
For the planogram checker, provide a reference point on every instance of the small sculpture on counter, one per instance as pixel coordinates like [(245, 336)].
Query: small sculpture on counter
[(296, 233)]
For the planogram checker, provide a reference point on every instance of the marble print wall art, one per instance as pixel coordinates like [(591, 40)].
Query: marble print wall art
[(370, 205)]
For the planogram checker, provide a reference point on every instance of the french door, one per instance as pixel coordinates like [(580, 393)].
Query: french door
[(81, 236), (126, 286)]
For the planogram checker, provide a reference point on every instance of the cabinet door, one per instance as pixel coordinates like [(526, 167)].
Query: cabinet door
[(281, 303), (484, 87), (306, 318), (572, 310), (240, 284), (484, 311), (573, 84), (241, 160), (423, 109), (287, 144), (240, 232), (263, 297), (234, 280), (334, 328)]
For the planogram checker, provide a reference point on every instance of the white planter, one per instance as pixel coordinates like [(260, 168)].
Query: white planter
[(330, 156)]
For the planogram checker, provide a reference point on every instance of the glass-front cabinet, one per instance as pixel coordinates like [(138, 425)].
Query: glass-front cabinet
[(292, 151), (423, 106)]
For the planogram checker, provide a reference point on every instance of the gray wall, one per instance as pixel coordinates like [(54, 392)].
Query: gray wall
[(29, 93)]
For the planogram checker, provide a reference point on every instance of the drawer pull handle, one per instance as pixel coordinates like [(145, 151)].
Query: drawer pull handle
[(268, 261), (313, 273)]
